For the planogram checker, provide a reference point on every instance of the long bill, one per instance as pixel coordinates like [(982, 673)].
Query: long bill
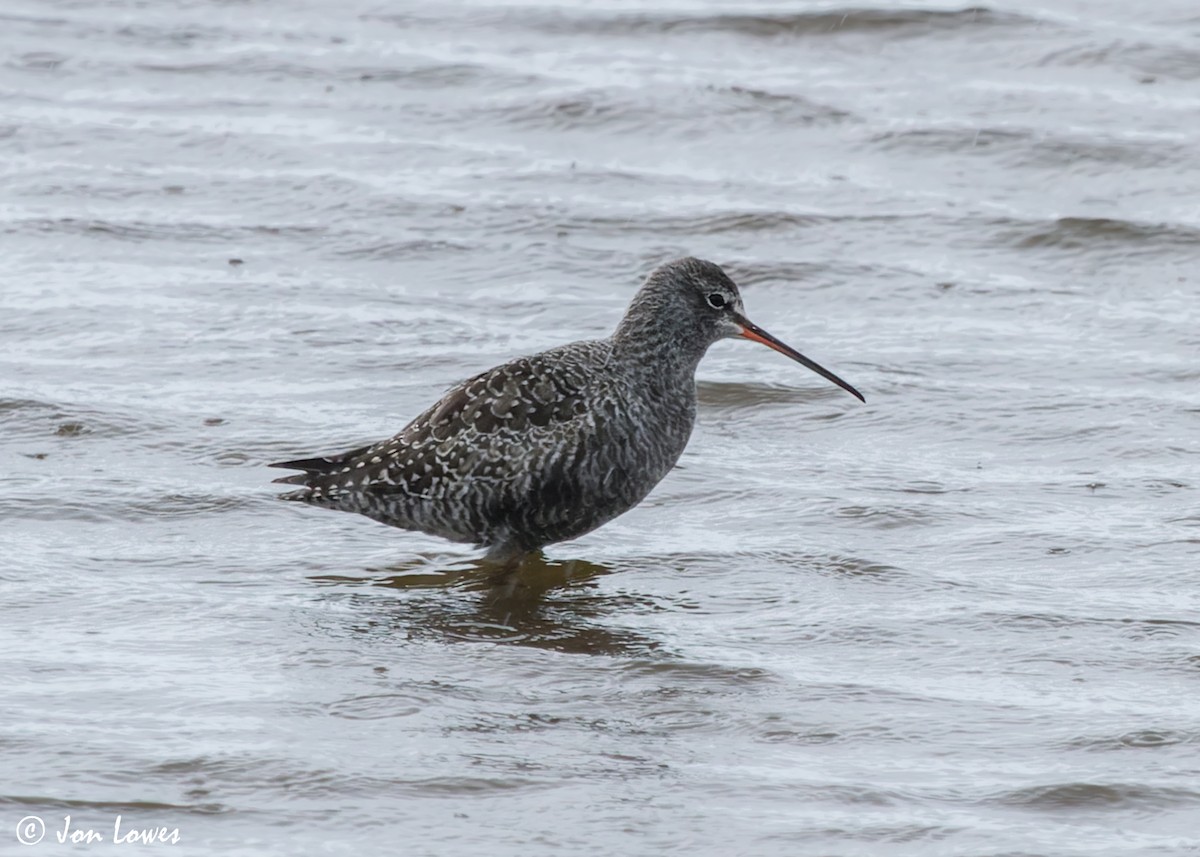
[(756, 334)]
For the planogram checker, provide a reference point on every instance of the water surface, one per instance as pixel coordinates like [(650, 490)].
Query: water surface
[(958, 620)]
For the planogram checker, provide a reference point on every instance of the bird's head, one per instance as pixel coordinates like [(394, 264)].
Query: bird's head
[(689, 304)]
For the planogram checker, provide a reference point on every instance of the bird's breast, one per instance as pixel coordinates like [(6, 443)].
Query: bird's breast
[(651, 430)]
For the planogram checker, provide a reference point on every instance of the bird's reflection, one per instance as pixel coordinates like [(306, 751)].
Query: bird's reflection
[(550, 604)]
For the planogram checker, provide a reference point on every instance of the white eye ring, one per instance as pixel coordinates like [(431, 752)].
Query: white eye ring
[(716, 300)]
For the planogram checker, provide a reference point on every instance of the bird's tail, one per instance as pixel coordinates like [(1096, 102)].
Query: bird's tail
[(313, 471)]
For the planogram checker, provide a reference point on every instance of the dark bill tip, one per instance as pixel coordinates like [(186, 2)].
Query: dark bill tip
[(756, 334)]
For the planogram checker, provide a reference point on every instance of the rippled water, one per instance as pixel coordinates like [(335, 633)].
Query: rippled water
[(961, 619)]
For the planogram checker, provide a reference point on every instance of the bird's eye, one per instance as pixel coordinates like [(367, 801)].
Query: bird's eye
[(716, 300)]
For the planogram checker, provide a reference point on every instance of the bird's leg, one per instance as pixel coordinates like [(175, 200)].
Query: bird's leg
[(506, 574)]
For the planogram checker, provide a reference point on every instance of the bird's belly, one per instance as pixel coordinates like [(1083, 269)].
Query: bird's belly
[(612, 473)]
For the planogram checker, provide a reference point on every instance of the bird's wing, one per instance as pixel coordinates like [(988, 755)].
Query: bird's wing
[(530, 392), (492, 424), (488, 428)]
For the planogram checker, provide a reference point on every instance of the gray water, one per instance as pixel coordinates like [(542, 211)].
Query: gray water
[(963, 619)]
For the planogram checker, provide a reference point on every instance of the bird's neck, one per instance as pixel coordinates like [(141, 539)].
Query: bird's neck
[(663, 356)]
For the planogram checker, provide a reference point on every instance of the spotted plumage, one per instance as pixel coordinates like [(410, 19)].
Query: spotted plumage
[(548, 447)]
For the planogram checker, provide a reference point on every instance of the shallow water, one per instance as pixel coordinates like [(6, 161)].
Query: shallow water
[(961, 619)]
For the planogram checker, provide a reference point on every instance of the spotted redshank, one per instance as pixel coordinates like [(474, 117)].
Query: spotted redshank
[(548, 447)]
